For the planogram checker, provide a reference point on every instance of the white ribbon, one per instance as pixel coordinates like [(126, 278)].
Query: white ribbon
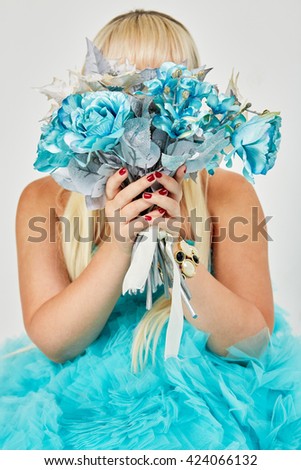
[(141, 261), (175, 324), (136, 278)]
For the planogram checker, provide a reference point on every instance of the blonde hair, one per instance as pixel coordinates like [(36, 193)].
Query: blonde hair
[(148, 38)]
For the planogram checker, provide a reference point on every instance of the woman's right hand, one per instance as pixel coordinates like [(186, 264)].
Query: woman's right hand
[(123, 213)]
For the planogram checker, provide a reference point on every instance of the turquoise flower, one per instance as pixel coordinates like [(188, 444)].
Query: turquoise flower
[(176, 83), (222, 104), (84, 123), (178, 122), (52, 150), (190, 87), (166, 80), (257, 142), (183, 118), (178, 95)]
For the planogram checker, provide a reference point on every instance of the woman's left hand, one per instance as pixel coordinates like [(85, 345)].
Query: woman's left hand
[(167, 200)]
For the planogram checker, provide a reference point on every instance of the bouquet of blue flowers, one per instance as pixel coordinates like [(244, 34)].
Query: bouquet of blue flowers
[(114, 116)]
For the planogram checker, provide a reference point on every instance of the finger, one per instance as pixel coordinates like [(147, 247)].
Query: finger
[(114, 182), (142, 222), (155, 215), (180, 173), (134, 208), (171, 184), (127, 194), (161, 199)]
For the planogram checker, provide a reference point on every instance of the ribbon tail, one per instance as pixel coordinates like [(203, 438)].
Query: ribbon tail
[(142, 256), (176, 320)]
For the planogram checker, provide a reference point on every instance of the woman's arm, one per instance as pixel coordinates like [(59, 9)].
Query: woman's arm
[(237, 302), (61, 317)]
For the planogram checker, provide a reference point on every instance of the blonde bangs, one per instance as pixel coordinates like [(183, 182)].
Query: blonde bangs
[(147, 40)]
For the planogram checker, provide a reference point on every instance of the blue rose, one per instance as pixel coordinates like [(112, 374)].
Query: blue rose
[(257, 142), (84, 123)]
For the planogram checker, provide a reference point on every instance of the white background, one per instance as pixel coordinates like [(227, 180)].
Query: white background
[(260, 39)]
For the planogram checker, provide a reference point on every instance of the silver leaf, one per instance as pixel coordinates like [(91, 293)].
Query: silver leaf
[(172, 162), (136, 146), (62, 177), (94, 203), (95, 62)]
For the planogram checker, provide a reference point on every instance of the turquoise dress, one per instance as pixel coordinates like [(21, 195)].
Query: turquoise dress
[(199, 400)]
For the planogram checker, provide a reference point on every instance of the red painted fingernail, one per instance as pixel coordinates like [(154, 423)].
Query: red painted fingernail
[(185, 169), (163, 192), (122, 171), (147, 195), (158, 174), (150, 177), (147, 217), (161, 210)]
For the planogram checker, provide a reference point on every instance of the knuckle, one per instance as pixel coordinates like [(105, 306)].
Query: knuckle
[(175, 205), (138, 206), (144, 183), (134, 188), (111, 179), (108, 207), (116, 200)]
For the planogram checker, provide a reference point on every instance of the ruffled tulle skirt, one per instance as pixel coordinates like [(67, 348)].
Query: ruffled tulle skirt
[(197, 401)]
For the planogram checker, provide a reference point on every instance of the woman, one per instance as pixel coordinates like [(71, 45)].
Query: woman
[(90, 383)]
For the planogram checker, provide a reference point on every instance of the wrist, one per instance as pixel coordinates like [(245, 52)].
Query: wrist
[(123, 248), (118, 248)]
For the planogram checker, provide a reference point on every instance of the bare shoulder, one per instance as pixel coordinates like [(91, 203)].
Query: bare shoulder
[(230, 193), (40, 195), (41, 265)]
